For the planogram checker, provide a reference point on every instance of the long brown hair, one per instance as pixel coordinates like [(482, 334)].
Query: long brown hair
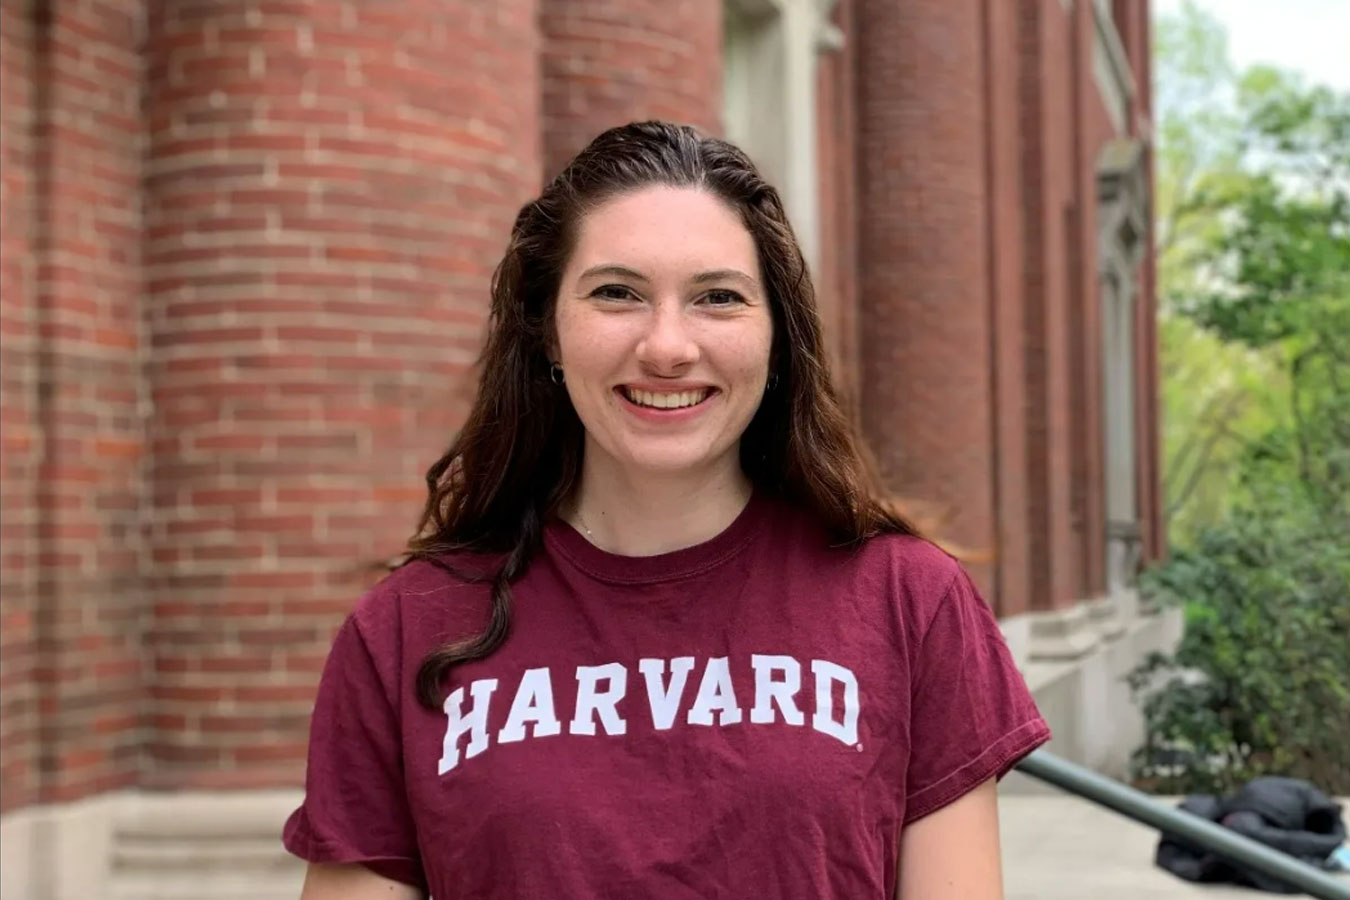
[(517, 459)]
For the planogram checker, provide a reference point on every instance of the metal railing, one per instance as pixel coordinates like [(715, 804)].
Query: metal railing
[(1201, 832)]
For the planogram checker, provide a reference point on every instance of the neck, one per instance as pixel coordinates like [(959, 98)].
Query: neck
[(643, 515)]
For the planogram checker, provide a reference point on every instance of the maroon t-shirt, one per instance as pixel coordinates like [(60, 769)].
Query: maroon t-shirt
[(755, 716)]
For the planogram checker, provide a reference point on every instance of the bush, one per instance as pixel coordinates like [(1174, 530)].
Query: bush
[(1260, 683)]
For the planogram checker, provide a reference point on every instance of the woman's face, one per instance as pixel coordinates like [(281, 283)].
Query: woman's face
[(664, 330)]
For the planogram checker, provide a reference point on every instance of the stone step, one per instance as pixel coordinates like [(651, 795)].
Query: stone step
[(1066, 848)]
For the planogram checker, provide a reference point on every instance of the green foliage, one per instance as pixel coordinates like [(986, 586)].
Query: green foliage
[(1261, 681), (1219, 396), (1253, 242), (1216, 397), (1255, 347), (1284, 233)]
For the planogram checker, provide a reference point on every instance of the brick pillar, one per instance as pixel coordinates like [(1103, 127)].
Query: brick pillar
[(78, 387), (1151, 501), (1093, 130), (608, 62), (328, 191), (924, 259), (836, 278), (1007, 304), (1047, 182), (21, 442)]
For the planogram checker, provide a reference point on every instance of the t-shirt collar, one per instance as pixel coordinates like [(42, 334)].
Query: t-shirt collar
[(561, 538)]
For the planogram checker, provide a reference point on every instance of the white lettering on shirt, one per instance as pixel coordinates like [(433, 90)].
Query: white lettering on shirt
[(769, 691), (827, 673), (475, 723), (533, 703), (591, 702), (665, 700), (715, 693), (777, 683)]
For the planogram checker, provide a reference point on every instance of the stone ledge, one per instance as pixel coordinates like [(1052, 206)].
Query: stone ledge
[(1062, 634), (214, 845), (1087, 701)]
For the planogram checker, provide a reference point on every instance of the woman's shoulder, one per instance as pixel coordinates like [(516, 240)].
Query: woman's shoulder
[(912, 568), (916, 561), (909, 561)]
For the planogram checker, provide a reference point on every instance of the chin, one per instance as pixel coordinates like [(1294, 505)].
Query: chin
[(668, 463), (668, 460)]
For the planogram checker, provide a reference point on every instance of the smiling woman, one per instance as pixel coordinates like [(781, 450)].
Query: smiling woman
[(663, 333), (733, 668)]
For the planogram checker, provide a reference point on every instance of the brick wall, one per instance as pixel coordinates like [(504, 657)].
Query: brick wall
[(1044, 35), (607, 62), (1007, 306), (1134, 17), (328, 188), (86, 216), (1092, 131), (21, 441), (922, 274), (835, 281)]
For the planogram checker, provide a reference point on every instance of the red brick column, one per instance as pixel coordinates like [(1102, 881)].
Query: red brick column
[(1093, 130), (923, 259), (1044, 32), (20, 444), (328, 190), (1007, 306), (73, 393), (836, 279), (1151, 506), (607, 62)]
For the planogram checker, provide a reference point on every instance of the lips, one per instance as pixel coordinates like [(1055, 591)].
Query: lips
[(666, 399)]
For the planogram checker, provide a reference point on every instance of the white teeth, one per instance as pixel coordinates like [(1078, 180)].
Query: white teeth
[(665, 400)]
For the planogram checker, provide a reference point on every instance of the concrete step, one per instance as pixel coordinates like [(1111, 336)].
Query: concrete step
[(1063, 847)]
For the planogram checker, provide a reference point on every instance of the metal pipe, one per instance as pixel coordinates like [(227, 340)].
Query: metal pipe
[(1203, 833)]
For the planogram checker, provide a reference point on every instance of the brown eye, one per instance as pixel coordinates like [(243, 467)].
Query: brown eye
[(723, 298), (612, 292)]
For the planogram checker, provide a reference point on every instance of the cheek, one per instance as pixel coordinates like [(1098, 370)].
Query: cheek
[(565, 330), (751, 353)]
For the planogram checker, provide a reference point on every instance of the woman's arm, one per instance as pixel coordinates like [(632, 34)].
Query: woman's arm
[(953, 852), (353, 882)]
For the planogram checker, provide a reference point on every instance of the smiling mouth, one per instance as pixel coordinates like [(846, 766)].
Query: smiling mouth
[(666, 399)]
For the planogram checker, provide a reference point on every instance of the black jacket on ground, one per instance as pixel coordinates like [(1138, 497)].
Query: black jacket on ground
[(1287, 814)]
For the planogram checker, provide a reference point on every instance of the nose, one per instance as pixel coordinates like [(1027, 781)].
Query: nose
[(668, 346)]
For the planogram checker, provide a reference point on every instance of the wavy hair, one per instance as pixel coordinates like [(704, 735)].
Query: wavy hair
[(517, 459)]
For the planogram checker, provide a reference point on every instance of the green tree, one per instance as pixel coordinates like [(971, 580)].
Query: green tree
[(1216, 395), (1282, 256), (1251, 234), (1261, 680)]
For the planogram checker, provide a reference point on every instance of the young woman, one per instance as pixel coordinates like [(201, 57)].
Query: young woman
[(659, 636)]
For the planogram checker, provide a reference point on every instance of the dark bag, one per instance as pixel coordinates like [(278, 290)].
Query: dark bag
[(1287, 814)]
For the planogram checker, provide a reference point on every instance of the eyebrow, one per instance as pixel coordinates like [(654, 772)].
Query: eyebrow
[(619, 271), (700, 278), (725, 275)]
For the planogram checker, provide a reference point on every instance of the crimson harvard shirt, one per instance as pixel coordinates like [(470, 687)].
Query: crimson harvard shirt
[(755, 716)]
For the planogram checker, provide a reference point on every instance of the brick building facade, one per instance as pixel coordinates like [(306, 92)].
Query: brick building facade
[(243, 265)]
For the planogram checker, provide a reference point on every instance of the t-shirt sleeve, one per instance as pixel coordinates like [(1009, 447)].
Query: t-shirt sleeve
[(356, 805), (971, 715)]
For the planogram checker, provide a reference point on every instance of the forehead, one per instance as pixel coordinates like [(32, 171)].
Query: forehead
[(662, 228)]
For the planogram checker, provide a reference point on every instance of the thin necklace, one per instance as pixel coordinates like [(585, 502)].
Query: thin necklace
[(582, 522)]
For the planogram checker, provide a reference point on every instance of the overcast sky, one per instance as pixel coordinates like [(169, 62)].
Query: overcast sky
[(1311, 36)]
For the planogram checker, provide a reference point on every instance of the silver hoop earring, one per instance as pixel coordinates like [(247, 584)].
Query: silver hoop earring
[(555, 373)]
